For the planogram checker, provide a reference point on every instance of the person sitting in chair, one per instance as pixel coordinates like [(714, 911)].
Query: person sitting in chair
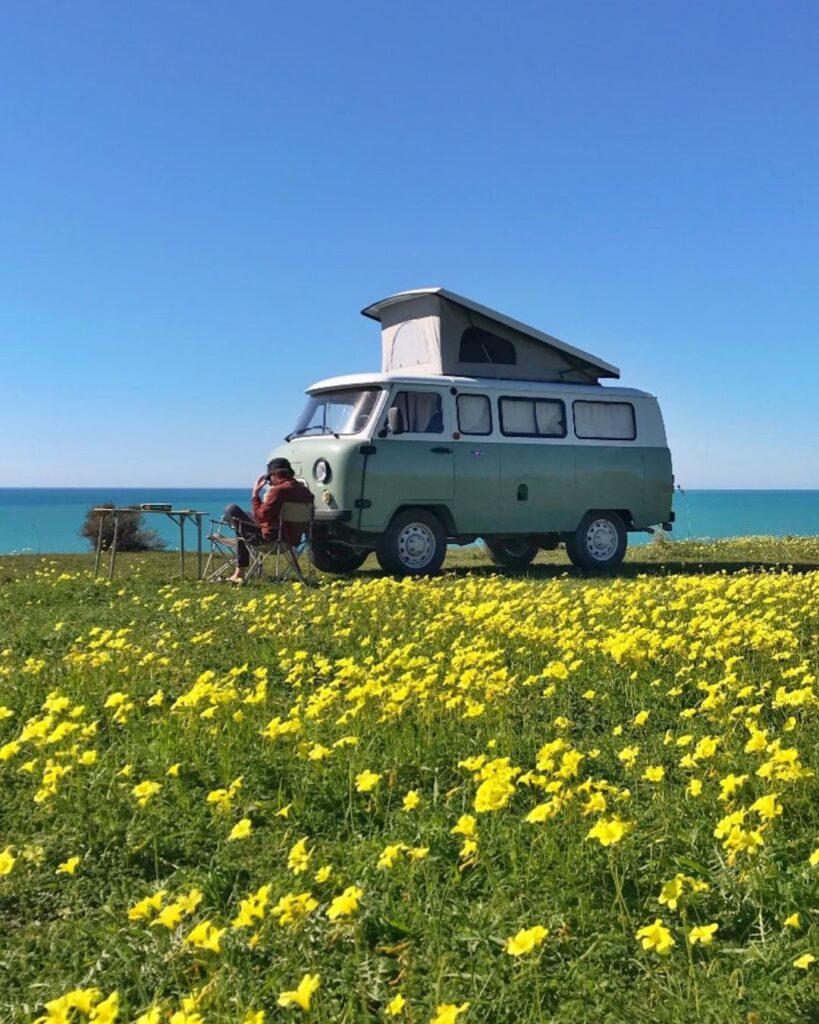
[(262, 527)]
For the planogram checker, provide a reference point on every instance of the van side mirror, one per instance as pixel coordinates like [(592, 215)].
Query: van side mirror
[(395, 420)]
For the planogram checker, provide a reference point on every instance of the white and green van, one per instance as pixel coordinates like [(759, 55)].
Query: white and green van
[(476, 427)]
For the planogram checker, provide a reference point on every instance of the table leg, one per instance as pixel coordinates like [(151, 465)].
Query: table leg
[(99, 545), (199, 547), (181, 546), (114, 547)]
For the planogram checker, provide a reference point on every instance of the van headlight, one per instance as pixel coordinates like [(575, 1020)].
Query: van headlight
[(321, 471)]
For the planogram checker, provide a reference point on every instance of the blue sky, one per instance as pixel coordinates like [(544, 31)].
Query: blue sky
[(197, 198)]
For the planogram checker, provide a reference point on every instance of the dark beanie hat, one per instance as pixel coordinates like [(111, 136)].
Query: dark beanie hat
[(279, 466)]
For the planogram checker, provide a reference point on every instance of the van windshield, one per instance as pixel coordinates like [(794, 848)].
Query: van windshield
[(346, 411)]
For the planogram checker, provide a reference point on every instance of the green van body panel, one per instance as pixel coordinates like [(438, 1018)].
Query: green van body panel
[(658, 487), (405, 470), (476, 508), (537, 487)]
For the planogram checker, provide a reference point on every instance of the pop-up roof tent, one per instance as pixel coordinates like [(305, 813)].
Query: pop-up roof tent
[(431, 330)]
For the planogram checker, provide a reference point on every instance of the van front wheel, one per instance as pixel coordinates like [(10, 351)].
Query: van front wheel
[(599, 542), (414, 544), (515, 553), (329, 556)]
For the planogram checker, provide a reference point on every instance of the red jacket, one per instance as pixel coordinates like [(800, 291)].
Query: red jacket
[(267, 512)]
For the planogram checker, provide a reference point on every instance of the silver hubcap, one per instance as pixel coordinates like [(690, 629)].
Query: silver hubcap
[(601, 540), (416, 545)]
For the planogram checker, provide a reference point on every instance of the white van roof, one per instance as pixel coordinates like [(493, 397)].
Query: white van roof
[(432, 330), (362, 380)]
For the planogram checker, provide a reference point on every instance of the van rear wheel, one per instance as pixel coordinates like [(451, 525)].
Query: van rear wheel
[(599, 542), (514, 553), (414, 544), (331, 556)]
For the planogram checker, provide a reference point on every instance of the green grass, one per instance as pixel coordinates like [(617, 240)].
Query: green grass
[(705, 637)]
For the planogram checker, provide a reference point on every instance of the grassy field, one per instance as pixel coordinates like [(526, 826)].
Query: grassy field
[(477, 798)]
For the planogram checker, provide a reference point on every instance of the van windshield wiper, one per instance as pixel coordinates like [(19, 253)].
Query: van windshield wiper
[(309, 430)]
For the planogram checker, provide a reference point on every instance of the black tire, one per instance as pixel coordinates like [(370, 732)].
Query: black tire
[(514, 553), (599, 542), (330, 556), (414, 544)]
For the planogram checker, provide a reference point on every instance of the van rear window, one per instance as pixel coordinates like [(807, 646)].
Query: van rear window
[(605, 421), (532, 417)]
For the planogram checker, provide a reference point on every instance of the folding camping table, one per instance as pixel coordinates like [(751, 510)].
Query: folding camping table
[(177, 515)]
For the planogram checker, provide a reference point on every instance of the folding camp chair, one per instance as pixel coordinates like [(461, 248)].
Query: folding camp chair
[(221, 561)]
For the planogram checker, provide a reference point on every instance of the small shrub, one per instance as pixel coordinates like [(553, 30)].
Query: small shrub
[(133, 534)]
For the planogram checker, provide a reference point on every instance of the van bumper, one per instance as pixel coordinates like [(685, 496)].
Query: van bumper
[(331, 516)]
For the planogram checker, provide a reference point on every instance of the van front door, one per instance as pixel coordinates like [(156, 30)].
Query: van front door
[(414, 465)]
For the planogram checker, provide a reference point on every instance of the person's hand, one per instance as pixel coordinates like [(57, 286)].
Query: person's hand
[(259, 485)]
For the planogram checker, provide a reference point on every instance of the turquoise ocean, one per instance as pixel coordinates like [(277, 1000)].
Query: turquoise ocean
[(47, 520)]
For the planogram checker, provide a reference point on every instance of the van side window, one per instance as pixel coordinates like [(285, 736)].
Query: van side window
[(605, 421), (421, 411), (532, 417), (474, 414), (479, 346)]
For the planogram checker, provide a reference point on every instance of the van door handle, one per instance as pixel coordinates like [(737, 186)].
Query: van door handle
[(441, 451)]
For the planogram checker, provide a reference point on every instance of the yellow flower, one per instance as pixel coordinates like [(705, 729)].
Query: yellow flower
[(107, 1011), (493, 794), (7, 861), (205, 936), (389, 855), (412, 800), (299, 857), (657, 937), (252, 908), (323, 873), (654, 773), (293, 907), (301, 996), (793, 921), (803, 962), (695, 787), (146, 907), (152, 1015), (395, 1006), (173, 771), (671, 892), (466, 824), (366, 781), (702, 933), (813, 860), (448, 1013), (241, 830), (609, 832), (68, 867), (169, 917), (526, 940), (346, 904), (143, 791), (283, 812), (253, 1017), (767, 807), (190, 902)]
